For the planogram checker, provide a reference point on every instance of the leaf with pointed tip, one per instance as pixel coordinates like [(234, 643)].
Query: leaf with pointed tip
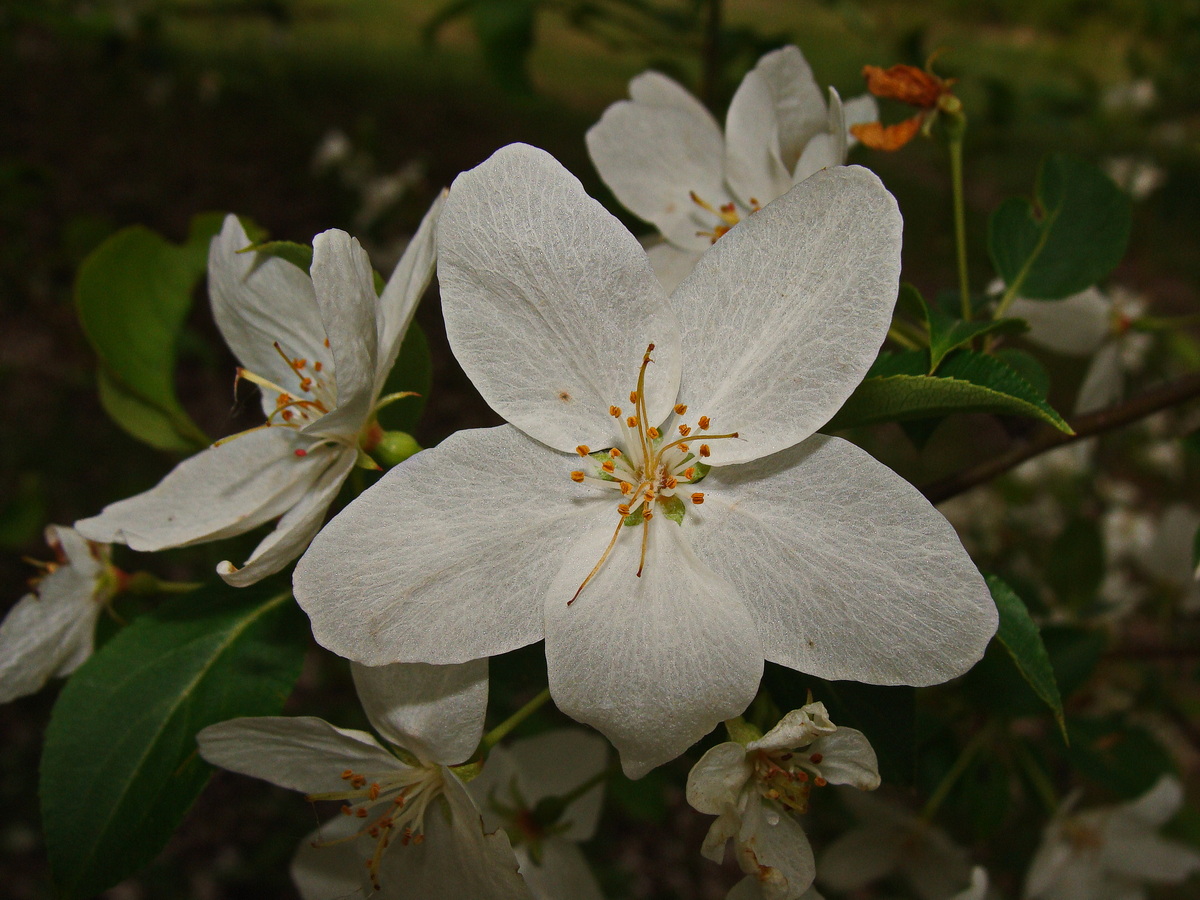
[(1019, 635), (949, 332)]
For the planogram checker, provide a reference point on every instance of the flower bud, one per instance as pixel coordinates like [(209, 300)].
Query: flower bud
[(395, 447)]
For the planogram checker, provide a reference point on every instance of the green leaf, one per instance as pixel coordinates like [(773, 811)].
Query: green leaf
[(133, 293), (299, 255), (1076, 563), (413, 371), (1074, 653), (948, 332), (120, 766), (1070, 237), (673, 508), (1019, 635), (1027, 366), (966, 382), (1126, 759)]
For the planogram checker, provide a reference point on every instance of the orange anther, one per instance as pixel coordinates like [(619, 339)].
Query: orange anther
[(816, 758), (287, 415), (631, 421), (348, 774), (648, 515), (684, 430), (819, 781), (300, 453), (633, 396), (346, 810), (608, 466), (680, 409), (361, 812), (704, 423), (698, 498), (623, 509), (689, 473), (626, 487), (652, 431), (802, 776), (305, 383), (583, 449), (373, 793), (318, 366), (684, 447), (671, 481), (614, 453), (399, 801), (299, 363), (326, 342), (705, 450), (577, 477), (615, 412)]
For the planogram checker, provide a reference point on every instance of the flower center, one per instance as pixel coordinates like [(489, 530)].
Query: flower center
[(390, 805), (727, 215), (316, 392), (788, 777), (652, 473)]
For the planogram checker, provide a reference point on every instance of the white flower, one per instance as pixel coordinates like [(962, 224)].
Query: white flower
[(49, 632), (320, 349), (891, 839), (978, 888), (752, 789), (518, 790), (408, 826), (805, 551), (1111, 852), (666, 159)]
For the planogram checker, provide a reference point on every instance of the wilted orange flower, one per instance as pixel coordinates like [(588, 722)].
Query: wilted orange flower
[(908, 84)]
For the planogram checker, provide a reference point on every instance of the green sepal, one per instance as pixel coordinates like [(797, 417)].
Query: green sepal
[(673, 508), (637, 517), (601, 457), (299, 255)]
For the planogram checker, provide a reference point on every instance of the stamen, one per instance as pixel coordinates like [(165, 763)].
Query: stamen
[(698, 497), (583, 450), (614, 453), (608, 466), (705, 450), (632, 421), (633, 396), (704, 423), (653, 432), (607, 550), (689, 473), (577, 477), (685, 430), (680, 409), (645, 540), (615, 412)]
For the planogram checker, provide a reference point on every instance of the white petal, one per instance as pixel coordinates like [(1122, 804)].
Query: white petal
[(324, 870), (301, 753), (655, 89), (298, 526), (754, 166), (652, 662), (563, 872), (978, 888), (823, 151), (1104, 381), (435, 712), (723, 829), (556, 762), (259, 301), (492, 788), (456, 859), (86, 558), (858, 111), (549, 302), (785, 314), (774, 848), (671, 265), (345, 287), (716, 780), (798, 101), (47, 633), (653, 152), (1147, 857), (225, 490), (798, 728), (849, 572), (848, 758), (447, 558), (859, 856), (404, 290), (1076, 325), (1158, 805)]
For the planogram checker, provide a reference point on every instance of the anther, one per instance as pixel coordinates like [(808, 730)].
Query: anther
[(348, 774), (615, 412), (819, 781), (373, 793), (648, 515), (704, 423), (608, 466), (698, 498), (684, 430), (577, 477), (802, 776), (816, 758), (689, 473), (680, 409), (300, 453), (684, 448), (631, 421), (705, 450), (653, 432), (361, 812), (633, 397), (318, 366), (626, 487), (623, 509), (326, 342), (671, 482), (614, 453), (583, 449)]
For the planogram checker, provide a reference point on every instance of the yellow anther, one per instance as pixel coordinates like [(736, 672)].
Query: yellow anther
[(615, 412), (704, 423), (626, 488), (583, 449), (577, 477), (680, 409)]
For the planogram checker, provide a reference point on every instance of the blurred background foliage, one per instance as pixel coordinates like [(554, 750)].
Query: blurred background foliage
[(310, 114)]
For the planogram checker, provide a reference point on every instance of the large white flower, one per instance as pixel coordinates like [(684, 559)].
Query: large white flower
[(408, 826), (666, 159), (753, 788), (520, 790), (50, 631), (320, 348), (1111, 852), (658, 593)]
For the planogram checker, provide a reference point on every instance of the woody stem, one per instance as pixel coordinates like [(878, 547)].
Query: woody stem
[(960, 223)]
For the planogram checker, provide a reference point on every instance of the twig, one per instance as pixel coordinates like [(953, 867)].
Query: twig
[(1173, 393)]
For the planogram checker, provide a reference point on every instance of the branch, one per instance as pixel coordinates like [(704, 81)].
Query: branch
[(1173, 393)]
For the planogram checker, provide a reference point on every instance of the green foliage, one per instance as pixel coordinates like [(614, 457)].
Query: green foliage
[(1069, 237), (1123, 758), (133, 293), (120, 766), (948, 331), (299, 255), (967, 382), (1019, 635), (413, 371), (505, 30), (1076, 564)]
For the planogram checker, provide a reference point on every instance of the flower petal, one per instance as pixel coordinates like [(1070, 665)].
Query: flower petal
[(435, 712), (1075, 326), (774, 848), (1147, 857), (671, 265), (301, 753), (556, 762), (716, 780), (563, 871), (550, 302), (847, 758), (858, 111), (785, 314), (456, 859), (258, 301), (445, 559), (799, 728), (654, 151), (47, 633), (404, 290), (344, 283), (652, 662), (298, 526), (1103, 382), (859, 856), (228, 489), (326, 866), (86, 558), (848, 570), (1158, 805)]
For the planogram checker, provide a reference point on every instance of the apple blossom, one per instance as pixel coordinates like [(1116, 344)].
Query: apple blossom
[(666, 159), (658, 601), (753, 788), (320, 348), (405, 813), (49, 632), (1111, 852)]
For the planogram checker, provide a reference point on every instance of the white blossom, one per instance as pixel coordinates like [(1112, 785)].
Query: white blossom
[(753, 788), (796, 548), (518, 790), (49, 632), (320, 348), (407, 826), (1111, 852), (667, 160)]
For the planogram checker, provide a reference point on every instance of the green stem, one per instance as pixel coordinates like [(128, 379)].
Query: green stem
[(951, 777), (898, 335), (501, 731), (579, 790), (960, 222), (1037, 777)]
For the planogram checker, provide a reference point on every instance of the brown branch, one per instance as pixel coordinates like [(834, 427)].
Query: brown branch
[(1172, 393)]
